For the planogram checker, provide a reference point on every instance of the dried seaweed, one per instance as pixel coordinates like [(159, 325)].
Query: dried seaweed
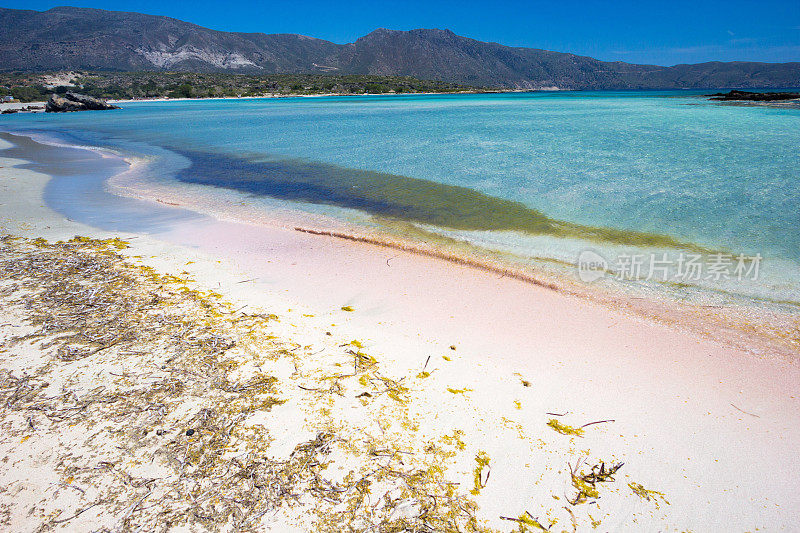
[(586, 483), (170, 397)]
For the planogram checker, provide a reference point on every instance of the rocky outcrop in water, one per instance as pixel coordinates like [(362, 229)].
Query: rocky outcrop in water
[(754, 97), (76, 102)]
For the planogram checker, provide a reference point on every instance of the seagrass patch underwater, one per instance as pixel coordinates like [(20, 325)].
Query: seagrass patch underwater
[(391, 195)]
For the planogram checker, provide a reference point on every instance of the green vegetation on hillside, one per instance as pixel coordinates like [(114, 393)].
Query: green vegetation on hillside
[(29, 87)]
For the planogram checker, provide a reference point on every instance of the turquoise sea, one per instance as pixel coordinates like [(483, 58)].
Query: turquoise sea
[(536, 176)]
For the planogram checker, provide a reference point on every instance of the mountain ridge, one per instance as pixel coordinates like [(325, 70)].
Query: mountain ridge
[(65, 37)]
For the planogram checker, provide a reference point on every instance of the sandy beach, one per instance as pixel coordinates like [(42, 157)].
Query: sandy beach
[(351, 385), (21, 105)]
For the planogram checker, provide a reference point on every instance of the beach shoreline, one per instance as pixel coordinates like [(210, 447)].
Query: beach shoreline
[(762, 331), (752, 324), (20, 105), (695, 419)]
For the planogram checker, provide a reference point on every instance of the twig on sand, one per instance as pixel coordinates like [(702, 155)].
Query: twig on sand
[(745, 412), (76, 515), (104, 347), (131, 509), (565, 429), (558, 414), (598, 422), (574, 520)]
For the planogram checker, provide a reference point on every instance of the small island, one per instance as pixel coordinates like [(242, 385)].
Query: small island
[(754, 96)]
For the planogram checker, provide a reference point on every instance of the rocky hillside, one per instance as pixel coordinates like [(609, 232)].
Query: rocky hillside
[(92, 39), (67, 37)]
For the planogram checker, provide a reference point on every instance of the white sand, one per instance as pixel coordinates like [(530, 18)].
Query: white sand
[(677, 399), (672, 394)]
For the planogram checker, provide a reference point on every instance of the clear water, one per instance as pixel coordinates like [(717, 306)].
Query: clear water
[(721, 177)]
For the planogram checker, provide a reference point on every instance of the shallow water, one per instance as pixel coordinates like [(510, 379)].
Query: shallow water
[(605, 170), (77, 188)]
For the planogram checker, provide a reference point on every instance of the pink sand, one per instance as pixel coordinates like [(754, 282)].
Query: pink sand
[(674, 395)]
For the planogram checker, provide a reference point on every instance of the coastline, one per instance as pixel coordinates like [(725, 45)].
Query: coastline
[(776, 104), (20, 105), (763, 331), (694, 419), (751, 324)]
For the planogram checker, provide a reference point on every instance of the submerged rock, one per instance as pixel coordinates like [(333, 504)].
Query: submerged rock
[(76, 102)]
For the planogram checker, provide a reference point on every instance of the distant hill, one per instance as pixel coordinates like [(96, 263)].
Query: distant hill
[(65, 38)]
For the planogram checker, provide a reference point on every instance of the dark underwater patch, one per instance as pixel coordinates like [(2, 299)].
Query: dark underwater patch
[(395, 196)]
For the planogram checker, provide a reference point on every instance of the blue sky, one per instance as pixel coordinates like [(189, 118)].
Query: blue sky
[(663, 33)]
